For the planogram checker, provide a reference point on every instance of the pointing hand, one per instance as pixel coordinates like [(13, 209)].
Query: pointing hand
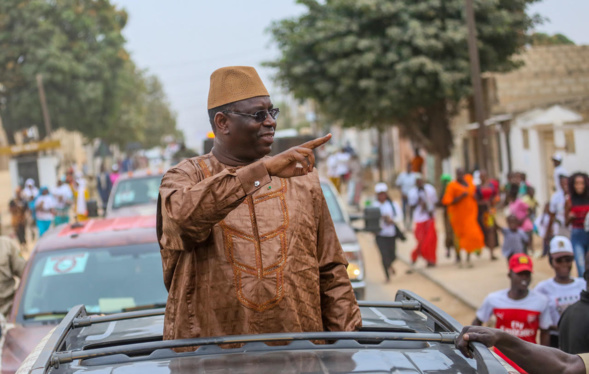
[(295, 161)]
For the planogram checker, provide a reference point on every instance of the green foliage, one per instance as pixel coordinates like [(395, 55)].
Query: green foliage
[(540, 38), (90, 82), (376, 62)]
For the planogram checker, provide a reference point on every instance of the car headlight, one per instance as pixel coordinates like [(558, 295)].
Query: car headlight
[(353, 254)]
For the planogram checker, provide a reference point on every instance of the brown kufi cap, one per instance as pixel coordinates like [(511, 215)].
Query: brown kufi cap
[(234, 83)]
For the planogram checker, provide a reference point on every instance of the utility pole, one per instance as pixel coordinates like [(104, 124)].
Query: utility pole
[(484, 154), (46, 117)]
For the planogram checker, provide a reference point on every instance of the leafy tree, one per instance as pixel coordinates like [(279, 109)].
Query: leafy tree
[(91, 84), (376, 62), (78, 47), (540, 38), (160, 120), (145, 115)]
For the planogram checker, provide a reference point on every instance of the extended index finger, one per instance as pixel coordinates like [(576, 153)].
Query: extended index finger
[(312, 144)]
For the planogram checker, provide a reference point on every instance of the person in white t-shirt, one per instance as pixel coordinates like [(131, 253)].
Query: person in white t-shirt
[(45, 209), (391, 214), (558, 170), (63, 199), (406, 181), (562, 290), (343, 165), (556, 207), (518, 310), (333, 172), (422, 199)]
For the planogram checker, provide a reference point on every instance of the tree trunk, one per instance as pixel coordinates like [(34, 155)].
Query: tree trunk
[(438, 170), (380, 156)]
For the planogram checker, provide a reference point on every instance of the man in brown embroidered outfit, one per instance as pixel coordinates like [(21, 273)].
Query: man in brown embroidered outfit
[(248, 245)]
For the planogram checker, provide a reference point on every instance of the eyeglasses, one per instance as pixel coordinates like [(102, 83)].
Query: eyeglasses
[(259, 116), (560, 260)]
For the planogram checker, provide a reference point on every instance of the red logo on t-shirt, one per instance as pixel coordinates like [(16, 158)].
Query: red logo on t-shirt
[(518, 322)]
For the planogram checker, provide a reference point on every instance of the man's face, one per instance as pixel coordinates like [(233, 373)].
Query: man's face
[(245, 138), (419, 183), (512, 223), (520, 281), (579, 185), (459, 173), (564, 184), (563, 265), (483, 176)]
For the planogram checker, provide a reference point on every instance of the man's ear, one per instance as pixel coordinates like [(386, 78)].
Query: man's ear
[(221, 123)]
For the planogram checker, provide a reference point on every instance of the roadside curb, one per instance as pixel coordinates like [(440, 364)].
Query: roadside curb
[(438, 282)]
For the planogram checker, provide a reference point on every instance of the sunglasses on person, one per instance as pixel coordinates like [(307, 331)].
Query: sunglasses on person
[(563, 259), (259, 116)]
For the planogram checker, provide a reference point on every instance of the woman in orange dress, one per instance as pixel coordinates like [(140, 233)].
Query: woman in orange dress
[(463, 213)]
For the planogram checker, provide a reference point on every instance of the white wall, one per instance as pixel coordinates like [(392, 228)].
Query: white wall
[(579, 161), (47, 166), (532, 161)]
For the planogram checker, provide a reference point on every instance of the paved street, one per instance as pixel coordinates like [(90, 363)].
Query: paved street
[(471, 285), (377, 290), (458, 291)]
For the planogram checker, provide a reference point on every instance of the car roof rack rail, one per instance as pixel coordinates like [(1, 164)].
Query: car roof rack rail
[(85, 320), (445, 330), (402, 304), (146, 348)]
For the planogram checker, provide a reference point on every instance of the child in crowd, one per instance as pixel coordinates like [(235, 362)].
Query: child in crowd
[(515, 240), (520, 210), (532, 204)]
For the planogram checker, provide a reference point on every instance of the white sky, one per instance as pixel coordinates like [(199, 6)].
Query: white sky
[(184, 41)]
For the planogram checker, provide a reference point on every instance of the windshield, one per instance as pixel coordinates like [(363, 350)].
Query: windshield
[(332, 203), (106, 280), (136, 191)]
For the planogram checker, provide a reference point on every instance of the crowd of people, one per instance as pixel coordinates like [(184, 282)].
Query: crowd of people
[(470, 204), (557, 307), (34, 210)]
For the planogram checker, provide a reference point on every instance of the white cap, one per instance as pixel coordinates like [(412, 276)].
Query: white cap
[(381, 187), (561, 246), (557, 157)]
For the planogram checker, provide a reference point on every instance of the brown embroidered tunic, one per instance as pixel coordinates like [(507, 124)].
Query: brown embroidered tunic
[(244, 253)]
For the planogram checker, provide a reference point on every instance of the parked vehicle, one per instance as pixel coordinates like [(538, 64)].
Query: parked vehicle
[(111, 266), (347, 237), (409, 335), (134, 194)]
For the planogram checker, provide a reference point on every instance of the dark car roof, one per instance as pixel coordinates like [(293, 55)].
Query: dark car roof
[(406, 336), (405, 356), (100, 233)]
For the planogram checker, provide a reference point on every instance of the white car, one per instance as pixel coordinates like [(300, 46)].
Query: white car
[(347, 238), (134, 194)]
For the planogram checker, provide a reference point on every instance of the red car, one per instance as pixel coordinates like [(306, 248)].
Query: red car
[(109, 265)]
